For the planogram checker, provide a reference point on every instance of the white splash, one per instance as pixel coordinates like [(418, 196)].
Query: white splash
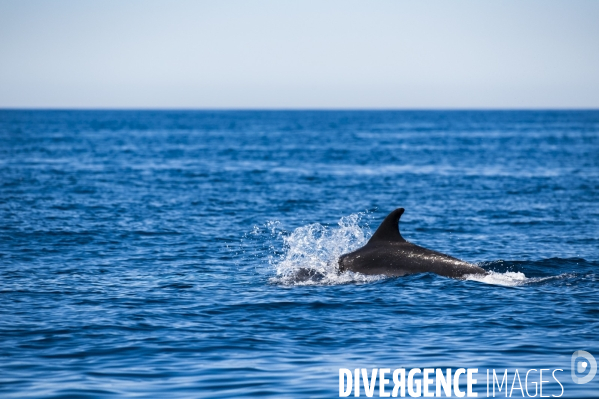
[(515, 279), (507, 279), (311, 252)]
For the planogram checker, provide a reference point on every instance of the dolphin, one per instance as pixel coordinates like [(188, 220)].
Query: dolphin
[(388, 253)]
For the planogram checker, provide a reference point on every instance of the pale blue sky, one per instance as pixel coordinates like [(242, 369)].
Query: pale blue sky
[(299, 54)]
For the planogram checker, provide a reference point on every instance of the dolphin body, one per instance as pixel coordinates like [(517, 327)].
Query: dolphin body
[(389, 254)]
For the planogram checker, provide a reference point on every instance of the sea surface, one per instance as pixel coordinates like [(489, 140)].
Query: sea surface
[(154, 254)]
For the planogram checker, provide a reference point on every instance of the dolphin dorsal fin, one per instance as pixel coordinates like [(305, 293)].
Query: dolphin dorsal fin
[(389, 229)]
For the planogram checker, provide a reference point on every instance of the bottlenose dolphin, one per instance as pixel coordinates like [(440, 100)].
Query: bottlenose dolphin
[(389, 254)]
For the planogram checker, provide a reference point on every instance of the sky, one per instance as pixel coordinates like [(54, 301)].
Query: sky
[(309, 54)]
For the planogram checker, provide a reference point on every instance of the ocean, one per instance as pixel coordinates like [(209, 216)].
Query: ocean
[(152, 254)]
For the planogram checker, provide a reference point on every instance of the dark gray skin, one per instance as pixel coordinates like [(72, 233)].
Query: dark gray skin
[(387, 253)]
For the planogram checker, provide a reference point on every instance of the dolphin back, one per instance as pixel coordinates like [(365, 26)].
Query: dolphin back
[(388, 253)]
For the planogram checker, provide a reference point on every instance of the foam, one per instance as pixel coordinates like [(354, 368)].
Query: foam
[(514, 279), (507, 279)]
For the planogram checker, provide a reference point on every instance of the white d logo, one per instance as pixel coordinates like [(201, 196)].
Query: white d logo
[(581, 367)]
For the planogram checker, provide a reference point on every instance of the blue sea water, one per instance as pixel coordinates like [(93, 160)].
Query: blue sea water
[(151, 254)]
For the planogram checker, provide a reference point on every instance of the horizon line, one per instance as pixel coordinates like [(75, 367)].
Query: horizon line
[(298, 109)]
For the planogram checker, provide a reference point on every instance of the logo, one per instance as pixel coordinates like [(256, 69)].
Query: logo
[(580, 366)]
